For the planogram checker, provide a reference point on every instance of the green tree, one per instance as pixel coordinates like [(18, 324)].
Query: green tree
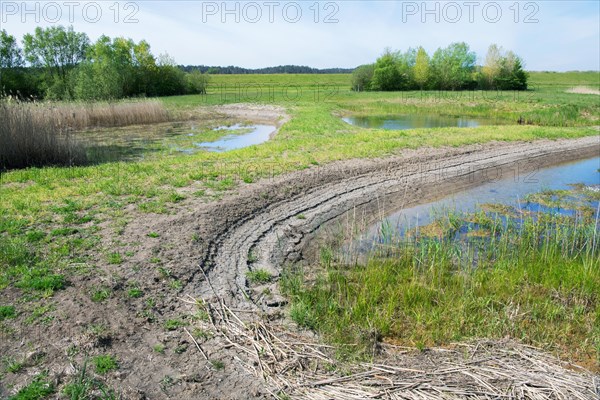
[(421, 68), (145, 69), (169, 78), (10, 54), (101, 75), (58, 50), (386, 75), (493, 64), (511, 75), (196, 82), (453, 67), (362, 77)]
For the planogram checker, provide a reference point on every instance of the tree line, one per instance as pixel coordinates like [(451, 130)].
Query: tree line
[(450, 68), (281, 69), (61, 64)]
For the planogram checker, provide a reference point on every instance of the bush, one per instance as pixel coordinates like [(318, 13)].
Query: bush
[(362, 77)]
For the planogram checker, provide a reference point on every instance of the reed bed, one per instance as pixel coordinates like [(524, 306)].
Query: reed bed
[(41, 134)]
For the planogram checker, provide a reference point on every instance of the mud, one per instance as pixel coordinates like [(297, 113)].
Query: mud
[(268, 225)]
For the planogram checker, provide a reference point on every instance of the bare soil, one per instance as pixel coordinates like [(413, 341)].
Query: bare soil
[(583, 90), (210, 246)]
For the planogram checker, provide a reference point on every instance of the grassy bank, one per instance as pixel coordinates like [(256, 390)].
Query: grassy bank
[(531, 277)]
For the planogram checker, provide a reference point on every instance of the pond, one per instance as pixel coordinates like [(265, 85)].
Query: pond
[(525, 195), (242, 136), (415, 121), (141, 142)]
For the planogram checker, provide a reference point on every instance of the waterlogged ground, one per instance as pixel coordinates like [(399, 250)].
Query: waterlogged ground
[(417, 121), (525, 191), (526, 265), (189, 137)]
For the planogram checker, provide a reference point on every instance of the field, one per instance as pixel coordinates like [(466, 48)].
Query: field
[(96, 259)]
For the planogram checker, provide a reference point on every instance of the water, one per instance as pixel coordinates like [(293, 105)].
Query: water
[(257, 134), (141, 142), (509, 191), (403, 122)]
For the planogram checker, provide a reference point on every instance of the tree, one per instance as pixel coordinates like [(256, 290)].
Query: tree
[(169, 79), (511, 75), (386, 75), (362, 77), (493, 64), (196, 82), (453, 67), (421, 68), (10, 53), (58, 50), (101, 75)]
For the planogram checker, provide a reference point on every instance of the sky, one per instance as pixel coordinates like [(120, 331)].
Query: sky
[(548, 35)]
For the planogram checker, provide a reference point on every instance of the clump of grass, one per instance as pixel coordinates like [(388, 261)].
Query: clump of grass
[(115, 258), (173, 324), (7, 312), (100, 294), (135, 292), (259, 276), (105, 363)]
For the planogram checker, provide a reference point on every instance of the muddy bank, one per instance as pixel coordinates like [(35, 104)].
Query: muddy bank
[(273, 223), (209, 247)]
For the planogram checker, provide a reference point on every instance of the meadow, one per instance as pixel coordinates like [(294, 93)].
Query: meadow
[(53, 218)]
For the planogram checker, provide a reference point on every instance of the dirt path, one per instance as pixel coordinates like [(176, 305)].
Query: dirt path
[(209, 248)]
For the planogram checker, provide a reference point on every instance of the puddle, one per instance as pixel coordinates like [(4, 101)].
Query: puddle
[(245, 136), (402, 122), (510, 192)]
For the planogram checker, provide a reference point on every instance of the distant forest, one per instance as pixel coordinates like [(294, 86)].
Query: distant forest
[(281, 69)]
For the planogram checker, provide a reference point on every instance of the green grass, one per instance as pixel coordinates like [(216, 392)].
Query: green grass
[(39, 388), (173, 324), (7, 312), (105, 364), (259, 276), (536, 284), (100, 294)]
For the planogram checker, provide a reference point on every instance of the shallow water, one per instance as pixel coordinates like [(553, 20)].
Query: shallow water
[(140, 142), (510, 191), (258, 134), (403, 122)]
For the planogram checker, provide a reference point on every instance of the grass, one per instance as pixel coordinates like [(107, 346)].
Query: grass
[(39, 388), (259, 276), (105, 363), (7, 312), (533, 279), (173, 324), (84, 387)]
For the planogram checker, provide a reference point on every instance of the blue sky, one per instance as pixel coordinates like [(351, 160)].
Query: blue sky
[(548, 35)]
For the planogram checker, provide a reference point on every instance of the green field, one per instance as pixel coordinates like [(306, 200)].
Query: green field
[(50, 217)]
